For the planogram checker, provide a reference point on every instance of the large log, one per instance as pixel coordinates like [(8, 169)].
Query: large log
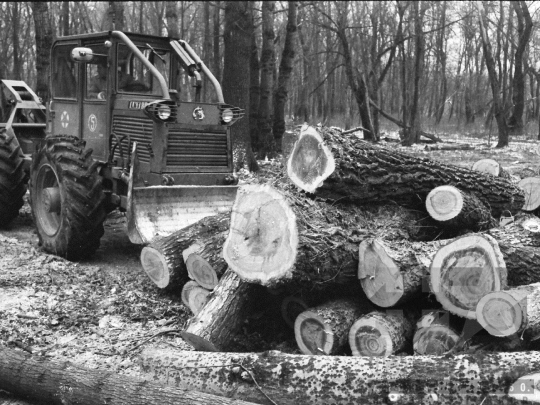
[(53, 382), (394, 273), (163, 259), (289, 379), (368, 173), (466, 269)]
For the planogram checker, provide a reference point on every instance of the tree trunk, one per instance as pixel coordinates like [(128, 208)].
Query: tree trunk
[(44, 39), (290, 379), (163, 259), (380, 334), (325, 329), (457, 210), (53, 382), (285, 73), (465, 270), (531, 187), (236, 76), (393, 273), (17, 72), (367, 173), (254, 92), (65, 18), (219, 321), (434, 335), (504, 313), (216, 57), (171, 15)]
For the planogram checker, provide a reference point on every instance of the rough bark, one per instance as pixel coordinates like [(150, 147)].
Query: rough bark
[(54, 382), (325, 329), (381, 333), (219, 321), (393, 273), (434, 335), (367, 173), (490, 166), (531, 188), (289, 379), (457, 210), (466, 269), (517, 310), (44, 39), (163, 259)]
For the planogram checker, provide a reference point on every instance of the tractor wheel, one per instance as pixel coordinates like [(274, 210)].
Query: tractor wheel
[(13, 179), (66, 198)]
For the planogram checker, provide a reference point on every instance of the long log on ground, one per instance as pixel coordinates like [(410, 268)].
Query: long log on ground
[(517, 310), (434, 335), (531, 188), (53, 382), (368, 173), (289, 379), (219, 321), (381, 333), (393, 273), (163, 260), (325, 329), (466, 269), (490, 166), (455, 209)]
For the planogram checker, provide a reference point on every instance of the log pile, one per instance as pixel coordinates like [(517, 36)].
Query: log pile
[(431, 280)]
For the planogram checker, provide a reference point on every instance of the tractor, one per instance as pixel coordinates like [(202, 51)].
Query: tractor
[(126, 128)]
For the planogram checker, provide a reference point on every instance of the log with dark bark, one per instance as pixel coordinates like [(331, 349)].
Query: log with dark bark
[(219, 321), (381, 333), (456, 209), (53, 382), (466, 269), (291, 307), (517, 310), (325, 329), (490, 166), (434, 335), (289, 379), (368, 173), (163, 259), (393, 273), (531, 188)]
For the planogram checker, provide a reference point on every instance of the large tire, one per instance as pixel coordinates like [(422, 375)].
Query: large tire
[(66, 196), (13, 178)]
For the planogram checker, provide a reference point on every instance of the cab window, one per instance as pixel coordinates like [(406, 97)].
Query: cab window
[(96, 73), (64, 73)]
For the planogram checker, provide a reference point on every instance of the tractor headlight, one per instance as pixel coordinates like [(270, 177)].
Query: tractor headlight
[(162, 111), (227, 115)]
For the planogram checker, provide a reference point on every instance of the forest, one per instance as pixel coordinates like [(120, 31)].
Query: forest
[(421, 67)]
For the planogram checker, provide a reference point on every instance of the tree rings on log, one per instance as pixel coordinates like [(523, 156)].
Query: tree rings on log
[(380, 333), (504, 313), (197, 298), (186, 291), (434, 335), (201, 271), (324, 329), (160, 271), (291, 307), (310, 161), (465, 270), (490, 166), (531, 187), (263, 238)]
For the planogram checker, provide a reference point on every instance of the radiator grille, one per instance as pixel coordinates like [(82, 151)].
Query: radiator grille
[(135, 129), (196, 149)]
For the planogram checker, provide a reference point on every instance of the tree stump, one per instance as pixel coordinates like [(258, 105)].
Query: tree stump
[(517, 310), (434, 335), (393, 273), (465, 270), (324, 329), (492, 167), (380, 333), (531, 188), (455, 209)]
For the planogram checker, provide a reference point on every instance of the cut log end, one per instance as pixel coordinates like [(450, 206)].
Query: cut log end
[(262, 242), (531, 187), (186, 291), (197, 298), (489, 166), (310, 161), (499, 313), (155, 266), (369, 337), (464, 271), (444, 203), (313, 335), (201, 271), (379, 276), (433, 335)]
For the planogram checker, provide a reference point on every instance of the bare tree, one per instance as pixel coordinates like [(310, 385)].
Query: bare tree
[(44, 39), (171, 15)]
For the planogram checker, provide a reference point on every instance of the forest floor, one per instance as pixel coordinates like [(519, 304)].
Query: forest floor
[(101, 312)]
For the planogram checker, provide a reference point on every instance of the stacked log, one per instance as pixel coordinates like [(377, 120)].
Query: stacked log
[(435, 335), (531, 188)]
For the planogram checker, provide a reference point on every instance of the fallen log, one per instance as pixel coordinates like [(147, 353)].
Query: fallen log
[(200, 270), (53, 382), (449, 146), (393, 273), (455, 209), (381, 333), (531, 188), (163, 259), (289, 379), (434, 335), (325, 329), (368, 173), (490, 166), (504, 313)]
